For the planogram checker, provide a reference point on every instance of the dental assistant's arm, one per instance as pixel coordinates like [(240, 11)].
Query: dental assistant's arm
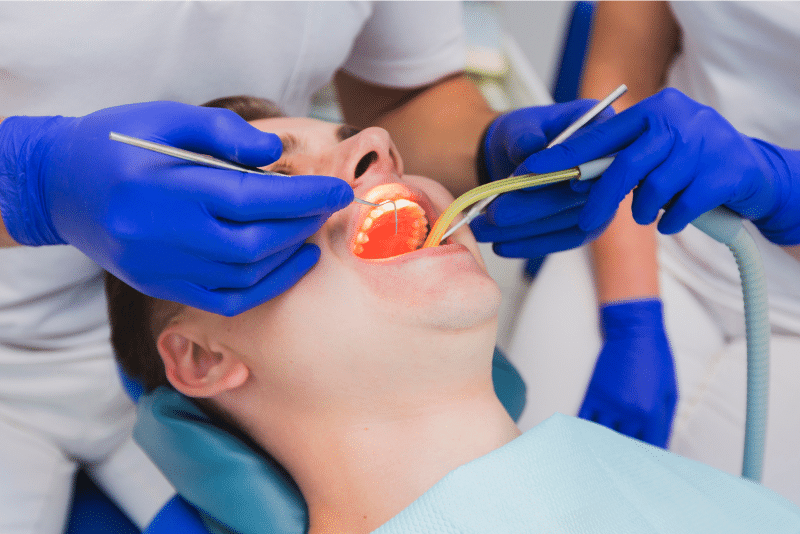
[(223, 241), (684, 158), (437, 128), (632, 43)]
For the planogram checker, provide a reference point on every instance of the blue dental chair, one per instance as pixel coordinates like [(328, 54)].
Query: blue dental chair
[(177, 419), (92, 512), (573, 52)]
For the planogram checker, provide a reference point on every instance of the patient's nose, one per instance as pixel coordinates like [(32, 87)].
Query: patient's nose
[(371, 150)]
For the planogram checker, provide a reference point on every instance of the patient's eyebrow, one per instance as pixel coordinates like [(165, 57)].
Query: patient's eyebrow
[(290, 143), (346, 131)]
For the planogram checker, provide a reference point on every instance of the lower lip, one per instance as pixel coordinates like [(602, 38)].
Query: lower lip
[(421, 270), (430, 252)]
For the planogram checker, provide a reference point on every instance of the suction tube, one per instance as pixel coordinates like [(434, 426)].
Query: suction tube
[(585, 171), (491, 189), (726, 227)]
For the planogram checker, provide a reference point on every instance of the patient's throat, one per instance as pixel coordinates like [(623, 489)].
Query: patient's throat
[(377, 238)]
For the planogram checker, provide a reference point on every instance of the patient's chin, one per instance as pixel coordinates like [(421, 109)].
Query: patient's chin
[(455, 308), (461, 321)]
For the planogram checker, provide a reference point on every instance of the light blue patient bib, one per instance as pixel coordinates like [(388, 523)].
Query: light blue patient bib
[(569, 476)]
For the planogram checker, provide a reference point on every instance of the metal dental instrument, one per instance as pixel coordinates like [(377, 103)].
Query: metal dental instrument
[(589, 115), (571, 129), (214, 162)]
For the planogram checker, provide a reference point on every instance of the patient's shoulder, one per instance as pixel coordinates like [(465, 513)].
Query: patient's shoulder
[(570, 475), (654, 470)]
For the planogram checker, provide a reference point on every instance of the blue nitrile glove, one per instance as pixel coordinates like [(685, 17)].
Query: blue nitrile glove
[(685, 158), (530, 223), (219, 240), (176, 516), (633, 388)]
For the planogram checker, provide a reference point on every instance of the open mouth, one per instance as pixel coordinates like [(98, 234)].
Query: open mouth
[(376, 237)]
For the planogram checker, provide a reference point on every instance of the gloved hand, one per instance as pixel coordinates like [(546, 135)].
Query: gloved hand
[(633, 388), (530, 223), (685, 158), (177, 516), (219, 240)]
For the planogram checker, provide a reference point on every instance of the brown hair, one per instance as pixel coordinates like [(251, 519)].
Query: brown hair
[(137, 319)]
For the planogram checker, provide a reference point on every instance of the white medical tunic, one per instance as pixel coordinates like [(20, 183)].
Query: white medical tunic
[(741, 58), (76, 58), (61, 400)]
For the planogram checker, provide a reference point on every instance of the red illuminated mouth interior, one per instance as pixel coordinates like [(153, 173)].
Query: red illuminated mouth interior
[(376, 238)]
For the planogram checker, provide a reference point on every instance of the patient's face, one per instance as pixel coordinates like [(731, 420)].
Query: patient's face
[(370, 288)]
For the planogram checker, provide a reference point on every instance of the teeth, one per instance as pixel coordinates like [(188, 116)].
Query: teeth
[(420, 220), (405, 203), (401, 203), (380, 210), (415, 225)]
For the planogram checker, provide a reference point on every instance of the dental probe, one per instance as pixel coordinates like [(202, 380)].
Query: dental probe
[(571, 129), (214, 162), (585, 171)]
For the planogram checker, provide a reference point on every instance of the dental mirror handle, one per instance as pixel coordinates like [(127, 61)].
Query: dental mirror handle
[(187, 155), (589, 115)]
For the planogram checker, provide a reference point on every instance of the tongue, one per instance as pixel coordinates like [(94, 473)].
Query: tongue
[(384, 243)]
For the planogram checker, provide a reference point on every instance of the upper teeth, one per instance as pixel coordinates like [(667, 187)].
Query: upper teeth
[(388, 206)]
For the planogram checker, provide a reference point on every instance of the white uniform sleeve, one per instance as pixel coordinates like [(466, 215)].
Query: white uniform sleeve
[(409, 44)]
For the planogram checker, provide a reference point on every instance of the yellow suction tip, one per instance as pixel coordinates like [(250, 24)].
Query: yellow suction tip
[(494, 188)]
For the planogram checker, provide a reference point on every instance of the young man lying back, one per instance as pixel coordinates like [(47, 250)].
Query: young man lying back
[(370, 380)]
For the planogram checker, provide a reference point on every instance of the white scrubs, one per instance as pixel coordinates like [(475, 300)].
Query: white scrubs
[(741, 58), (61, 401)]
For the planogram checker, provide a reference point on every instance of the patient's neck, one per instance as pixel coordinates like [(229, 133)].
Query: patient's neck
[(364, 462), (369, 470)]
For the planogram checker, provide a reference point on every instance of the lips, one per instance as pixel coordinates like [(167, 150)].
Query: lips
[(374, 235)]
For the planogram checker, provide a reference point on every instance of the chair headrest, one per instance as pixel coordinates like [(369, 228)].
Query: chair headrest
[(225, 477)]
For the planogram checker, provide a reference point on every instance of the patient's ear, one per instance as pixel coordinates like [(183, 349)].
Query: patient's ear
[(193, 368)]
